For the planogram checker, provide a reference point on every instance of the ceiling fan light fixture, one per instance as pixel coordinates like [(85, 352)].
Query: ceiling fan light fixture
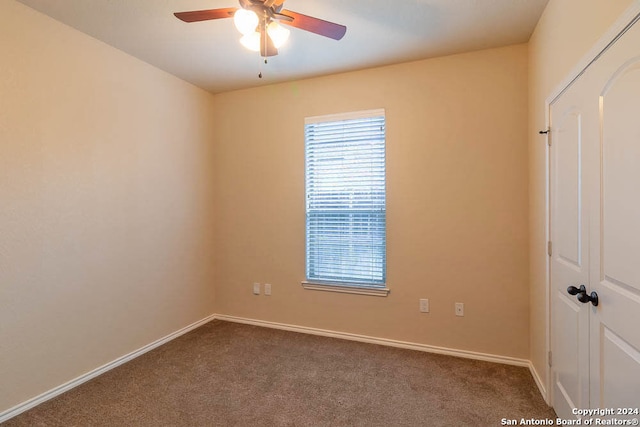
[(278, 34), (246, 21), (251, 41), (259, 23)]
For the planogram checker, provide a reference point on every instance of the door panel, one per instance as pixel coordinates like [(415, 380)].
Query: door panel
[(567, 366), (615, 336), (568, 198), (569, 267), (620, 110), (595, 225), (619, 376)]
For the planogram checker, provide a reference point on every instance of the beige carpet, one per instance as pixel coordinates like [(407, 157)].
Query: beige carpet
[(227, 374)]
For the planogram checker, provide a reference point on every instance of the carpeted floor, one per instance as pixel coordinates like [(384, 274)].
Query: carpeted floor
[(227, 374)]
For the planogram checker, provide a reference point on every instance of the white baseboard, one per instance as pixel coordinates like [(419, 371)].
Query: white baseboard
[(381, 341), (400, 344), (539, 383), (25, 406)]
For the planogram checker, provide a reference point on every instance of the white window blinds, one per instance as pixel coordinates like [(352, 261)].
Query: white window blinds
[(346, 201)]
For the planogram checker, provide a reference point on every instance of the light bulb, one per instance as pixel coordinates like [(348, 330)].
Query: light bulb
[(251, 41), (278, 33), (246, 21)]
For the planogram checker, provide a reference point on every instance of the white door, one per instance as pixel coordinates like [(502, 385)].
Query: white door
[(615, 246), (595, 230), (570, 253)]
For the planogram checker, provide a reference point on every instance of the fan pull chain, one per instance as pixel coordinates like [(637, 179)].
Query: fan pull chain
[(264, 39)]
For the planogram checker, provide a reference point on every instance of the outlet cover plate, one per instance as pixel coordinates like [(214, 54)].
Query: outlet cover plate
[(459, 309)]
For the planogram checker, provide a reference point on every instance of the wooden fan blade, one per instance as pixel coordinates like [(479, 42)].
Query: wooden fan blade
[(314, 25), (266, 44), (206, 15)]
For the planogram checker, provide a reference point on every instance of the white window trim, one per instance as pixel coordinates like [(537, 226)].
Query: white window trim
[(345, 116), (356, 288), (346, 289)]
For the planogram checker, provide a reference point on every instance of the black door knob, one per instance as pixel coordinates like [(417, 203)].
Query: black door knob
[(572, 290), (584, 298)]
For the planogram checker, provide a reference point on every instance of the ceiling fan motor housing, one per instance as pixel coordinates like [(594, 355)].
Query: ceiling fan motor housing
[(265, 10)]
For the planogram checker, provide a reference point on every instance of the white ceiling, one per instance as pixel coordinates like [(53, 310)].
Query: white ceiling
[(379, 32)]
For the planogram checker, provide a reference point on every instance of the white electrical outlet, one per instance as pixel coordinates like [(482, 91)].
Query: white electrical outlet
[(256, 288), (424, 305), (459, 309), (267, 288)]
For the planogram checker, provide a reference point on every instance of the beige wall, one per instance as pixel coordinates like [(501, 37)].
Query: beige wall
[(457, 209), (566, 32), (106, 206)]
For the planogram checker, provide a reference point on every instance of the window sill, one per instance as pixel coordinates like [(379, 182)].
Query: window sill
[(346, 289)]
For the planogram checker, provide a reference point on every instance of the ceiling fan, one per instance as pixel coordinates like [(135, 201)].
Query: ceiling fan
[(259, 22)]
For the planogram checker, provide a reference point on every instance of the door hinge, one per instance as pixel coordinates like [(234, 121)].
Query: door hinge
[(550, 358), (549, 248)]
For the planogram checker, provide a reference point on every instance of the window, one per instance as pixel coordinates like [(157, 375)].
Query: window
[(346, 201)]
